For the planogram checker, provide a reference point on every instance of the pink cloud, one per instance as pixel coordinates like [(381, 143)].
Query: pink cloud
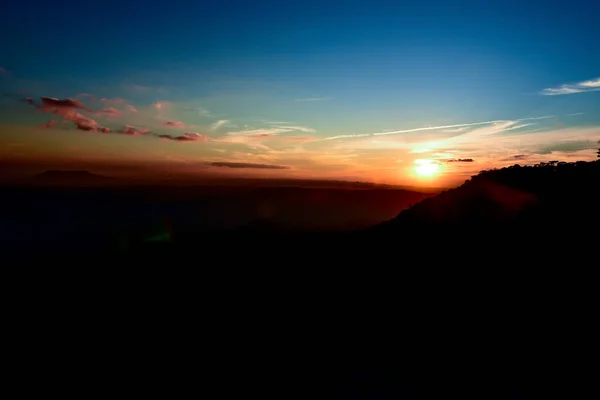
[(133, 131), (132, 108), (104, 129), (48, 124), (83, 123), (175, 124), (109, 111), (66, 108)]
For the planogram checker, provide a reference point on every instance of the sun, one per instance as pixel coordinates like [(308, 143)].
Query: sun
[(426, 168)]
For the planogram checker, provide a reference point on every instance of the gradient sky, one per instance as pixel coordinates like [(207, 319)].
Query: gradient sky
[(359, 90)]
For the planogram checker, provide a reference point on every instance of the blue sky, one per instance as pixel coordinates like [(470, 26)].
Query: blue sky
[(332, 68)]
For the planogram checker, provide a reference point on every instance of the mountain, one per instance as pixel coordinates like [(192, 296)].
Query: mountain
[(69, 178), (547, 204)]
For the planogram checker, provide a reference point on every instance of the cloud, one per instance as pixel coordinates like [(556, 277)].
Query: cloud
[(133, 131), (246, 165), (186, 137), (48, 124), (298, 128), (260, 132), (592, 85), (347, 136), (66, 108), (84, 123), (460, 160), (219, 124), (494, 127), (313, 99), (109, 111), (175, 124), (132, 108), (519, 156), (430, 128)]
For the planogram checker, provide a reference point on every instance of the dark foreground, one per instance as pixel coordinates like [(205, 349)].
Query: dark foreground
[(480, 306)]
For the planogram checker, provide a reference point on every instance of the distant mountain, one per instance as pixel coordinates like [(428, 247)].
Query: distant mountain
[(69, 177)]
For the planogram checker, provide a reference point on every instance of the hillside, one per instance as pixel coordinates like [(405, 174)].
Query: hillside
[(519, 200)]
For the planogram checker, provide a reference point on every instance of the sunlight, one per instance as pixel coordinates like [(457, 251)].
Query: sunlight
[(426, 168)]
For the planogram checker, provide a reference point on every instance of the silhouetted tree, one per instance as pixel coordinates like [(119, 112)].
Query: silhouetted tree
[(598, 153)]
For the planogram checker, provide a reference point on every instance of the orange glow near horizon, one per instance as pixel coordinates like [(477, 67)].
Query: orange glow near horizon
[(426, 168)]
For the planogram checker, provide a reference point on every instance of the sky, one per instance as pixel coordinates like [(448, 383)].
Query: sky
[(413, 92)]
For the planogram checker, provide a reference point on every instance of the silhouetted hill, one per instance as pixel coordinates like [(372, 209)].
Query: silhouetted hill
[(553, 198), (69, 178)]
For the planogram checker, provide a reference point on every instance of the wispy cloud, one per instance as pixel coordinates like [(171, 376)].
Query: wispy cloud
[(592, 85), (298, 128), (313, 99), (260, 132), (219, 124), (461, 127)]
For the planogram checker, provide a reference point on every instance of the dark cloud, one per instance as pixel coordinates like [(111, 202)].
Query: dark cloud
[(247, 165), (53, 103), (186, 137), (461, 160)]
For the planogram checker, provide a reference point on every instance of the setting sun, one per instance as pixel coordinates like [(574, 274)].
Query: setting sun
[(426, 167)]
